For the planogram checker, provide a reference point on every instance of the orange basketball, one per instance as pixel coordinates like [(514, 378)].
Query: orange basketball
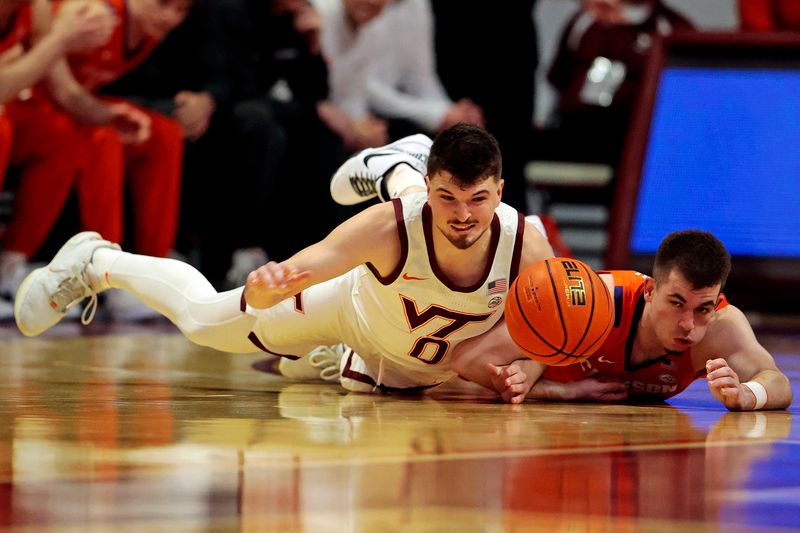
[(559, 311)]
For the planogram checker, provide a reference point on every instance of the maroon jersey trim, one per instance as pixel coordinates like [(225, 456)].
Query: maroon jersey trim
[(258, 344), (403, 236), (427, 224), (517, 255), (349, 373)]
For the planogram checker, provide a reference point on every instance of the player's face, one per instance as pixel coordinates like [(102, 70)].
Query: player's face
[(159, 17), (680, 313), (462, 213)]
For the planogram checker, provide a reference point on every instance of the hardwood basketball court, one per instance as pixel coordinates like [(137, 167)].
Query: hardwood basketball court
[(136, 429)]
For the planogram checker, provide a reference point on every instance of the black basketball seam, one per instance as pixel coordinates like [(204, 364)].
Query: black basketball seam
[(530, 326), (602, 335), (591, 312), (533, 329), (610, 324), (558, 305)]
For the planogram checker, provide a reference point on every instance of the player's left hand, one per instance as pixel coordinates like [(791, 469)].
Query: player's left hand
[(724, 384), (273, 283), (510, 381)]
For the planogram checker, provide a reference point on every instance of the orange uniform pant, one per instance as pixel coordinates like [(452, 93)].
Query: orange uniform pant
[(43, 143), (151, 172)]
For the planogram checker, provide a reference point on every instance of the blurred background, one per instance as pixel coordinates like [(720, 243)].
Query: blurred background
[(215, 125)]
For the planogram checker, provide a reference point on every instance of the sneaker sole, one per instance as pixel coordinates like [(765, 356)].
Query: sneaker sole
[(22, 292)]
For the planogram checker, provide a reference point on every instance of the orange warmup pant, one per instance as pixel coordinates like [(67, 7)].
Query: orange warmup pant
[(152, 172), (43, 142)]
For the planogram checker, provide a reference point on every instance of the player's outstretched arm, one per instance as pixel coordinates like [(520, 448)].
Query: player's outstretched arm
[(369, 237), (742, 374)]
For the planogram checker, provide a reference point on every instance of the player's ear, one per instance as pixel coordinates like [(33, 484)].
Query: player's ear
[(649, 289)]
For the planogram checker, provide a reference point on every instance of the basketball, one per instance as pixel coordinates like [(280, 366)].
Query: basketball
[(559, 311)]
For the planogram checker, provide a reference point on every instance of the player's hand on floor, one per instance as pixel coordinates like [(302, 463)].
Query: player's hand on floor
[(273, 283), (510, 382), (724, 384)]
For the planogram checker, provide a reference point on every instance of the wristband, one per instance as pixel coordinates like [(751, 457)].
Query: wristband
[(760, 393)]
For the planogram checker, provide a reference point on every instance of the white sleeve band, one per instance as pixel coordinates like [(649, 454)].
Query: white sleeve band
[(760, 393)]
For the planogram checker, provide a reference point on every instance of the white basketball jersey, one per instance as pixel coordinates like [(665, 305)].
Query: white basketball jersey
[(415, 316)]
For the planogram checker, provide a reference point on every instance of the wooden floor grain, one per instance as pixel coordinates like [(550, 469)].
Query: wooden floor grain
[(136, 429)]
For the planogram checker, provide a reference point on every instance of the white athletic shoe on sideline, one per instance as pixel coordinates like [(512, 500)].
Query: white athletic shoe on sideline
[(321, 364), (48, 292), (360, 178)]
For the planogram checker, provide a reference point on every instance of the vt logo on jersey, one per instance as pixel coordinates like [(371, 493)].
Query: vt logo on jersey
[(432, 347)]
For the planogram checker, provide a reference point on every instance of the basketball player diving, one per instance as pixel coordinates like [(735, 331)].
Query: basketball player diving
[(401, 283)]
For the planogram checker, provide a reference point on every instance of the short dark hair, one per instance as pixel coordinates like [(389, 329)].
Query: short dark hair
[(470, 153), (698, 255)]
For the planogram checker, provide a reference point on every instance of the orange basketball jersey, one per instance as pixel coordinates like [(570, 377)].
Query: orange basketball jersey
[(105, 64), (20, 31), (657, 379)]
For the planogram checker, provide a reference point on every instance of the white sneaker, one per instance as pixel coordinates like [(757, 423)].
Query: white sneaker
[(360, 178), (321, 364), (48, 292)]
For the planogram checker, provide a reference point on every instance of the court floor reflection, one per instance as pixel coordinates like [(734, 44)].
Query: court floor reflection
[(141, 430)]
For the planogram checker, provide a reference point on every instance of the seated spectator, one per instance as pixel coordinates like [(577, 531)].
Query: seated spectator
[(146, 157), (36, 137), (402, 85), (342, 25), (277, 71), (186, 78), (769, 15)]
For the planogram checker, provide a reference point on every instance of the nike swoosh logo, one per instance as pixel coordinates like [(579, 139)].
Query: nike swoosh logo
[(602, 359), (413, 278), (375, 154)]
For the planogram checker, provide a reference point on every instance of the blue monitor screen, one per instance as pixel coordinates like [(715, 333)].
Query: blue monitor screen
[(723, 155)]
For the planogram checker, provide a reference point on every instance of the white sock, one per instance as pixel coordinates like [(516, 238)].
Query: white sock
[(404, 179), (182, 294)]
